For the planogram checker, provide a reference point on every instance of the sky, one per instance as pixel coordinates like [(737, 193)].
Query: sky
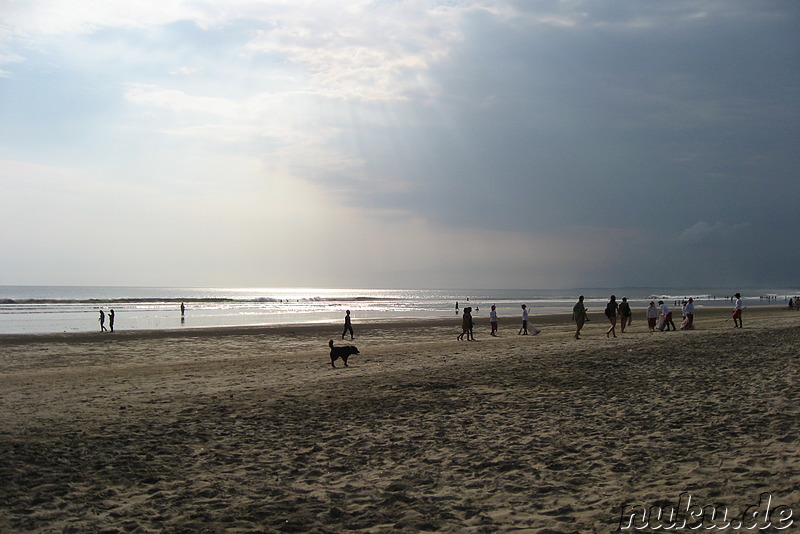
[(400, 144)]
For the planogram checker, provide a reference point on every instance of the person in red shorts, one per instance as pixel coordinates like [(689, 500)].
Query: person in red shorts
[(737, 311)]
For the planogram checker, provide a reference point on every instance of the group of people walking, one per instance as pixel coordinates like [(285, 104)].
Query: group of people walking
[(110, 321), (468, 325), (658, 317)]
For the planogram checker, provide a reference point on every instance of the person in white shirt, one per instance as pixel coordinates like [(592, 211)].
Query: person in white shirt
[(493, 320), (524, 329), (688, 315), (666, 317), (737, 311), (652, 316)]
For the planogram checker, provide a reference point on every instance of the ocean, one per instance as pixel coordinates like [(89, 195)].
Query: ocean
[(65, 309)]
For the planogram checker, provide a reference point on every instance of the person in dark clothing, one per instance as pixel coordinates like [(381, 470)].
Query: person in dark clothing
[(348, 326)]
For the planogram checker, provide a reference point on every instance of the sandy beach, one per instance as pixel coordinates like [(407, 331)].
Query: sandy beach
[(251, 430)]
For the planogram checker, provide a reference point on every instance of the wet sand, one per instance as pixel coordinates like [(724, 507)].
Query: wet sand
[(251, 430)]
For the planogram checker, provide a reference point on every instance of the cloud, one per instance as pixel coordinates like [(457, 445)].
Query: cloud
[(703, 232), (478, 140)]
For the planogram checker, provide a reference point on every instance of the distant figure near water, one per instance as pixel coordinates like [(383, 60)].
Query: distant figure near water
[(183, 309), (103, 321), (111, 319), (348, 326)]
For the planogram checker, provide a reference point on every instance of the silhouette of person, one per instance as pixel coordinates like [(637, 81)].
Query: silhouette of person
[(466, 325), (348, 327), (611, 314), (102, 321), (183, 309), (111, 320), (579, 316), (624, 311)]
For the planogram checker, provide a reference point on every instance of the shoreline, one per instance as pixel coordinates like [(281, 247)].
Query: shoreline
[(547, 319)]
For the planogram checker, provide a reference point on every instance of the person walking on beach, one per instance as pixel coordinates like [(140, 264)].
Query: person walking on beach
[(466, 325), (737, 311), (611, 314), (111, 319), (348, 327), (666, 317), (103, 321), (579, 316), (493, 320), (624, 311), (688, 315), (652, 316), (524, 329), (183, 309)]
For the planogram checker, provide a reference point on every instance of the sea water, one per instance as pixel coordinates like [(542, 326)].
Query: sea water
[(57, 309)]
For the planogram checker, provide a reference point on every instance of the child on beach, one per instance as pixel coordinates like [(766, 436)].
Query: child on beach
[(493, 320)]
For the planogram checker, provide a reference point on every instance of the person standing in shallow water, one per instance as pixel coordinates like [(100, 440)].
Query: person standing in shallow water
[(348, 326), (579, 316), (102, 321), (611, 314)]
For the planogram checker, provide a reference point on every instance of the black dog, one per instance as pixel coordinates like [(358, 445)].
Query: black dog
[(341, 352)]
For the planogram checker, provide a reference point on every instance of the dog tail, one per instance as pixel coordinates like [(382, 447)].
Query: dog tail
[(330, 343)]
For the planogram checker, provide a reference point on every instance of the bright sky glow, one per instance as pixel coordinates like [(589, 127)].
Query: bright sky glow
[(484, 143)]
